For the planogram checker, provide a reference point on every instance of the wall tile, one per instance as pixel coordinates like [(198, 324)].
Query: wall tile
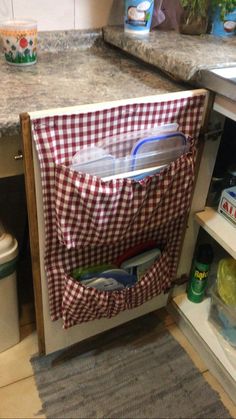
[(5, 9), (95, 14), (50, 14), (65, 14)]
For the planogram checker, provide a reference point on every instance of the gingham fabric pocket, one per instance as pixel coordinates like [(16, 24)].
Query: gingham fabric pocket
[(81, 304), (90, 211)]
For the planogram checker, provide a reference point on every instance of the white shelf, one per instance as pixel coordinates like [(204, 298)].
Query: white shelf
[(218, 228), (193, 320), (225, 106)]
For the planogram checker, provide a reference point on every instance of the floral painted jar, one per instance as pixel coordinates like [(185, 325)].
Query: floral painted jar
[(19, 41)]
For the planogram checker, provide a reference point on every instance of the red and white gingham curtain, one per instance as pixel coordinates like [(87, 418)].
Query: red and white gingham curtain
[(88, 221)]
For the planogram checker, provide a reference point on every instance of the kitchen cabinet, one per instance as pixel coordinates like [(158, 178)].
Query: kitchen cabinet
[(11, 159), (13, 212), (193, 318), (77, 81), (188, 108)]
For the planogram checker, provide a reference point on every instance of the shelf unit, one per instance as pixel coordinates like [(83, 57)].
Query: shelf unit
[(193, 318), (193, 321), (218, 228), (224, 233)]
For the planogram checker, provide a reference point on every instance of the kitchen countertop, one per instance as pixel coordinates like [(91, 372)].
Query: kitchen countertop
[(77, 67), (74, 69), (183, 57)]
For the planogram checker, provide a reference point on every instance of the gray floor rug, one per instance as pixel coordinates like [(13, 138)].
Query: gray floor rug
[(137, 370)]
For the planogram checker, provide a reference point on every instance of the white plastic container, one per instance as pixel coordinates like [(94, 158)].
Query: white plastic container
[(223, 319), (9, 317), (138, 16), (227, 205)]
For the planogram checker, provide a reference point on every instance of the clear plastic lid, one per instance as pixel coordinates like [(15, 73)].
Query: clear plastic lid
[(100, 166), (122, 144), (131, 152), (88, 154)]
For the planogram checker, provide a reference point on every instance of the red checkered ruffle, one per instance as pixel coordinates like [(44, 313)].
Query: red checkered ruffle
[(81, 304), (90, 211)]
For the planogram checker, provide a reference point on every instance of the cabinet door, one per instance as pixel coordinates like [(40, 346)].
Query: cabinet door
[(11, 162), (187, 108)]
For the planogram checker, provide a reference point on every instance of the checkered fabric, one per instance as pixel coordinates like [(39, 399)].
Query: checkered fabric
[(89, 221), (90, 211)]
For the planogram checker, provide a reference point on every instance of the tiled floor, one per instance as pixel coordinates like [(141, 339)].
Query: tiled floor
[(18, 394)]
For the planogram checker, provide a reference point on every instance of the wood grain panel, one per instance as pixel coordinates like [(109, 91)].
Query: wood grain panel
[(33, 226)]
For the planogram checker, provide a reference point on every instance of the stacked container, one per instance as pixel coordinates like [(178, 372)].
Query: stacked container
[(9, 317)]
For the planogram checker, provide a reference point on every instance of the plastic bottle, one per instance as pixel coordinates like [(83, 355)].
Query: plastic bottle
[(199, 276)]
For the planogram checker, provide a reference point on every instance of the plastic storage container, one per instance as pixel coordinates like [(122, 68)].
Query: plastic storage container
[(223, 317), (9, 317), (226, 281), (139, 153)]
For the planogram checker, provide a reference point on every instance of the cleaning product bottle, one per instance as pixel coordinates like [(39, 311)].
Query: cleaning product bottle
[(198, 280)]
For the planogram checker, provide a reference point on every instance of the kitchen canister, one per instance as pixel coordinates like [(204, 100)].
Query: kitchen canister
[(9, 316), (138, 16), (19, 41)]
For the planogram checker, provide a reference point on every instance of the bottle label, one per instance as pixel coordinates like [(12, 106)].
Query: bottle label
[(138, 15), (197, 285), (200, 275)]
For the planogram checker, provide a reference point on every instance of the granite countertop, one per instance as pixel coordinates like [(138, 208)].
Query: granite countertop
[(183, 57), (78, 67), (73, 72)]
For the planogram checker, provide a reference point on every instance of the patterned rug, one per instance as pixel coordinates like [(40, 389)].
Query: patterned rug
[(137, 370)]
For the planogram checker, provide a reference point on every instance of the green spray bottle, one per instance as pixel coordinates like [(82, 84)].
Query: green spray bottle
[(199, 275)]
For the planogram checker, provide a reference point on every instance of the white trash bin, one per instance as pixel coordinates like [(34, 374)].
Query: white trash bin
[(9, 316)]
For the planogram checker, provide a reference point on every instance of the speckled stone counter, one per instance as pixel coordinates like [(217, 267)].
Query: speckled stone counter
[(181, 56), (55, 41), (72, 73)]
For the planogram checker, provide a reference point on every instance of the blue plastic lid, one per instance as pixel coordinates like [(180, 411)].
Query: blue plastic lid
[(138, 147)]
